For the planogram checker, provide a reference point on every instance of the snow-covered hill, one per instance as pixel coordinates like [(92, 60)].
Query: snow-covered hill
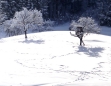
[(55, 58)]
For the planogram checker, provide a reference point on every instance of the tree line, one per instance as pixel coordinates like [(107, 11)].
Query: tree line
[(51, 9), (62, 10)]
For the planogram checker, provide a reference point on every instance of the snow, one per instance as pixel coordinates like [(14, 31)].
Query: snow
[(54, 58)]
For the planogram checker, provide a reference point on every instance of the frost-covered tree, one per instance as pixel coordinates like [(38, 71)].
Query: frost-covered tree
[(10, 28), (88, 24), (2, 15), (23, 20), (48, 25), (37, 20), (7, 25)]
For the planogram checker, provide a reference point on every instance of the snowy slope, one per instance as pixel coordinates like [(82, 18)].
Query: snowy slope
[(54, 58)]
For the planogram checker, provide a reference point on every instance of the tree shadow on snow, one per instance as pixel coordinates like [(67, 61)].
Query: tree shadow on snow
[(91, 51), (94, 41), (40, 84), (33, 41)]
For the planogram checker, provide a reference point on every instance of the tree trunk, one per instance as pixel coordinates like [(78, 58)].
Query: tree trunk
[(80, 41), (25, 34)]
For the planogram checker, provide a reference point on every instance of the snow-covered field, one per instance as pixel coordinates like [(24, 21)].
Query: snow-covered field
[(54, 58)]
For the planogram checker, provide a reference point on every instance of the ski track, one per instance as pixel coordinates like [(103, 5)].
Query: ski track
[(79, 75)]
